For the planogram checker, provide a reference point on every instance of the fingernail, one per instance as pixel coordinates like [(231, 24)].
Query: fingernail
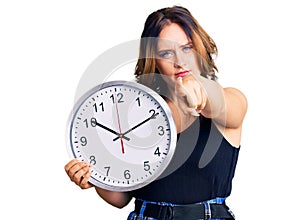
[(195, 113)]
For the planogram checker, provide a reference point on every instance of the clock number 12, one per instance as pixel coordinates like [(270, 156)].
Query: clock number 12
[(119, 98)]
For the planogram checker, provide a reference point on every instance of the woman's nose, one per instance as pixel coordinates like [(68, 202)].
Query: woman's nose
[(179, 61)]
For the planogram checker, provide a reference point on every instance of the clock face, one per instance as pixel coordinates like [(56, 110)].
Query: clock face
[(125, 131)]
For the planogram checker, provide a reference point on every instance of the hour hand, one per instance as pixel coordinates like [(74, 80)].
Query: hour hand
[(112, 131)]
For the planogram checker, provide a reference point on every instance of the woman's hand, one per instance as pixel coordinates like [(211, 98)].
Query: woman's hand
[(227, 107), (192, 95), (79, 173)]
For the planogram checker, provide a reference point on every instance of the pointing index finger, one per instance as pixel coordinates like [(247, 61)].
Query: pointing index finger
[(180, 88)]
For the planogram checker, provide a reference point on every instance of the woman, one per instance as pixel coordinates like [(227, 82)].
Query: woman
[(208, 120)]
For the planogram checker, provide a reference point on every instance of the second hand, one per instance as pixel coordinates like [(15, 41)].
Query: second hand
[(119, 124)]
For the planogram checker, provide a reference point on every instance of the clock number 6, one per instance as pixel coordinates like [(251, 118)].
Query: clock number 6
[(127, 174)]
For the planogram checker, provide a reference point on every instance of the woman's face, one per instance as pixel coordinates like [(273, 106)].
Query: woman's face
[(175, 56)]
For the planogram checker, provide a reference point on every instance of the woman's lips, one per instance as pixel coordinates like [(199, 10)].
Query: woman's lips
[(182, 74)]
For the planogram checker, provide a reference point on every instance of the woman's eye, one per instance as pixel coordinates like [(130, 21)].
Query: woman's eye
[(187, 48), (165, 54)]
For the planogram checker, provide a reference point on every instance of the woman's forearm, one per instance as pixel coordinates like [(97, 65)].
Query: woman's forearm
[(117, 199)]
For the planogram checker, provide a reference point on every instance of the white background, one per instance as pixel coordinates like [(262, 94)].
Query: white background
[(45, 47)]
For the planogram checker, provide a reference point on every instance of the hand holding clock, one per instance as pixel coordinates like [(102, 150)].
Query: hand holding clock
[(79, 173)]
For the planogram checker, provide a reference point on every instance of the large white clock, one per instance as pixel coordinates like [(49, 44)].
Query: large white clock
[(125, 131)]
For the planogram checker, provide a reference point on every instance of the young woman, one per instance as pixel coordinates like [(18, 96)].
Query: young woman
[(176, 60)]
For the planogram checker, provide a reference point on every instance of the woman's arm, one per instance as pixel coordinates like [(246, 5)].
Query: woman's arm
[(117, 199), (226, 106), (236, 107)]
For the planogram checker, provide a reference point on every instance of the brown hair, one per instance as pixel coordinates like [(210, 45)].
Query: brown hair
[(156, 21)]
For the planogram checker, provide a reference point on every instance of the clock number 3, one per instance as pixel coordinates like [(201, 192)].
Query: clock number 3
[(161, 130)]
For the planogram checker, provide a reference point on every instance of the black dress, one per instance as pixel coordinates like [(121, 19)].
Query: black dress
[(202, 168)]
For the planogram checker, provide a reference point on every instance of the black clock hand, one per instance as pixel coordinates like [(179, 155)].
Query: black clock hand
[(153, 116), (112, 131)]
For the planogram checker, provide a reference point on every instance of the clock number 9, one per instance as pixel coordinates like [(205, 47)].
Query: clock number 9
[(83, 141)]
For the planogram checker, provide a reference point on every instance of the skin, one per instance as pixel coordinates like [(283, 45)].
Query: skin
[(174, 58)]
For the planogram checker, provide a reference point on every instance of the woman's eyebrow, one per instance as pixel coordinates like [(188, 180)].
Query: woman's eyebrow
[(164, 48), (189, 43)]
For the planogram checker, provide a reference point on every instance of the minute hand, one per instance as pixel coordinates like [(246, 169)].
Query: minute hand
[(153, 116)]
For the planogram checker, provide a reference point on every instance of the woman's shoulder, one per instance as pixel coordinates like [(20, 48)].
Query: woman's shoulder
[(238, 95)]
